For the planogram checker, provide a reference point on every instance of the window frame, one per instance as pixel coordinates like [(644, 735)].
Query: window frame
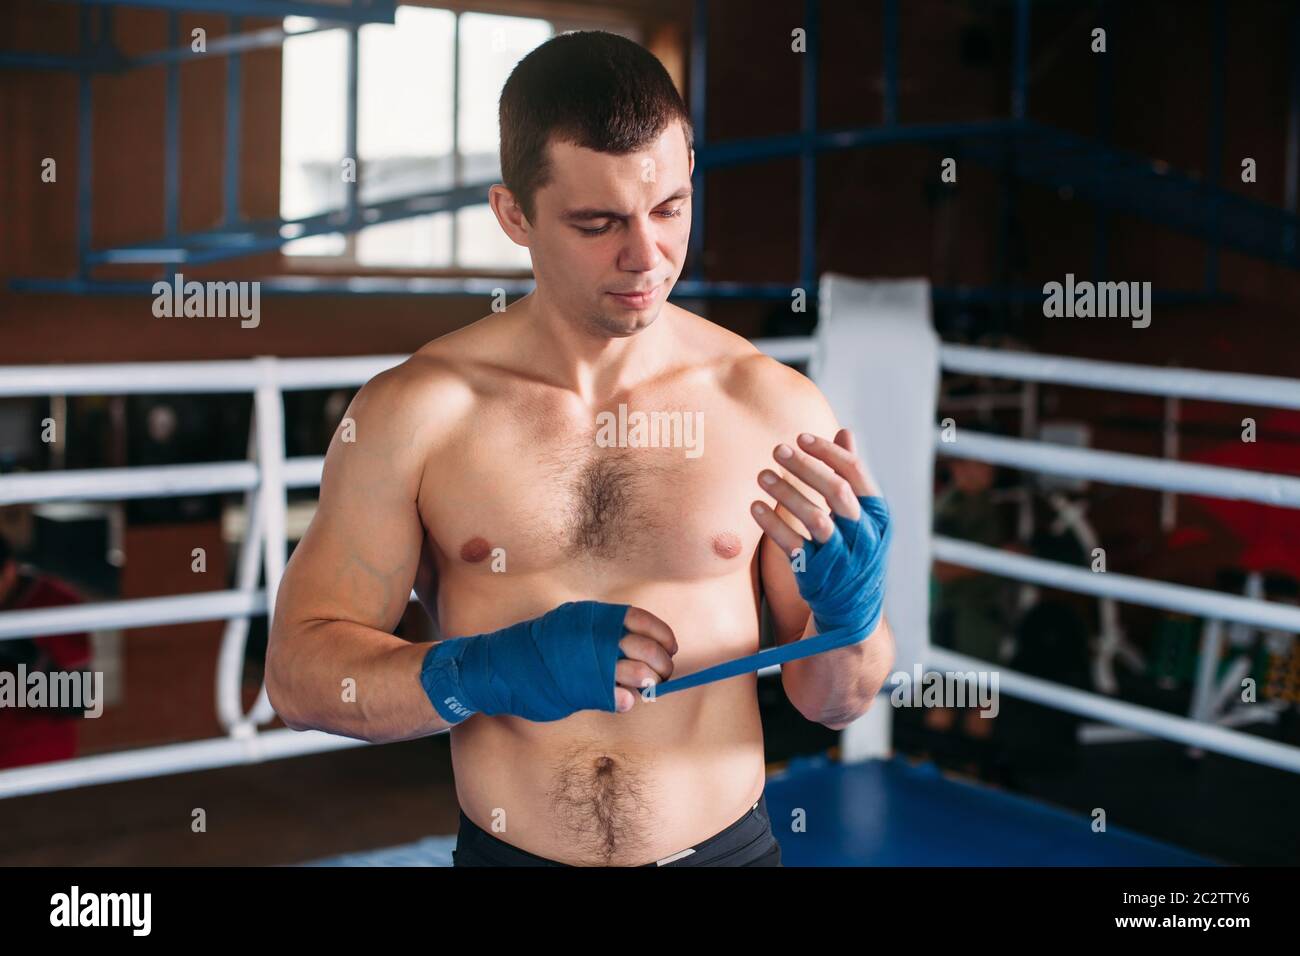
[(573, 18)]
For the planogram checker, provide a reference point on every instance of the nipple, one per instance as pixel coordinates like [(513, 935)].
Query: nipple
[(475, 550), (726, 544)]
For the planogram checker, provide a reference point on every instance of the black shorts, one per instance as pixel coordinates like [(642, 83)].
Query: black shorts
[(747, 842)]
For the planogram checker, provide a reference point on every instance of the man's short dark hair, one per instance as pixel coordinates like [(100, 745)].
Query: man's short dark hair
[(593, 89)]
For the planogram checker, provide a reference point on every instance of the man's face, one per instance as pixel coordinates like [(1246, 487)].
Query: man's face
[(611, 225)]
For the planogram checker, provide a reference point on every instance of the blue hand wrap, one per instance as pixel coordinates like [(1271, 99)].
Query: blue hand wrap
[(843, 582), (543, 669)]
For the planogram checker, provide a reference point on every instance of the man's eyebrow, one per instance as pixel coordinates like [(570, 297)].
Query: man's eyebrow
[(591, 212)]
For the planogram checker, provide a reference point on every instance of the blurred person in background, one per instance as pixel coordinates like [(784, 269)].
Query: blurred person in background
[(28, 735), (969, 610)]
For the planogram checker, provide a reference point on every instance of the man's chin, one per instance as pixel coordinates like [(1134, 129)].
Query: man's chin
[(624, 323)]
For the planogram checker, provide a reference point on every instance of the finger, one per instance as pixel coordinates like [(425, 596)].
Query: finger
[(845, 462), (624, 700), (634, 675), (648, 651), (822, 478), (641, 621), (776, 528), (818, 522)]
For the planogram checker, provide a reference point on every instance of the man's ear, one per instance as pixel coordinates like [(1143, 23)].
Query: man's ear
[(510, 215), (691, 170)]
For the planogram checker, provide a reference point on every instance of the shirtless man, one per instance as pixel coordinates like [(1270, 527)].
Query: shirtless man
[(474, 472)]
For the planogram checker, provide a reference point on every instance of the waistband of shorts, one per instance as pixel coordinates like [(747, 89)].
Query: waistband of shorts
[(752, 826)]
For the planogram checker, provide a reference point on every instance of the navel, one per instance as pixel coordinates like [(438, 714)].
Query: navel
[(726, 544), (475, 550)]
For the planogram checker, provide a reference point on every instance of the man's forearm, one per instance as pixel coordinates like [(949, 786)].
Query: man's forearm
[(351, 680), (836, 687)]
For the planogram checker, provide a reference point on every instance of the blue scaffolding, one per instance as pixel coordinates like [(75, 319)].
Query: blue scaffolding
[(1025, 151)]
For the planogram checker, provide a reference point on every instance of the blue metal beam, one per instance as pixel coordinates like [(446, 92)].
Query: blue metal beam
[(1045, 155), (351, 186), (231, 43), (368, 11), (1123, 183), (251, 237), (234, 130), (1292, 178), (1051, 157), (699, 114), (1292, 172), (1105, 110), (428, 286), (764, 148), (110, 60), (808, 147), (890, 53), (1020, 78), (1214, 145), (85, 145), (172, 138), (457, 172), (103, 62)]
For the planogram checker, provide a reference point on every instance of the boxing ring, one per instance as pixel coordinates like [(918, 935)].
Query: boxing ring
[(887, 810)]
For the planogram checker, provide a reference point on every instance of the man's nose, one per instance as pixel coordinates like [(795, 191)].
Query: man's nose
[(641, 251)]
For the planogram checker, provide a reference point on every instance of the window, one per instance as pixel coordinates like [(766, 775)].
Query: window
[(420, 128)]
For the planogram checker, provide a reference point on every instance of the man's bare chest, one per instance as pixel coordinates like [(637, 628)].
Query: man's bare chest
[(526, 499)]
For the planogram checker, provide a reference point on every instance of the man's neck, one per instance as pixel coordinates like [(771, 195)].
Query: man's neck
[(588, 361)]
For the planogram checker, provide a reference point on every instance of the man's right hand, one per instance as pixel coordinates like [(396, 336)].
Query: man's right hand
[(583, 655)]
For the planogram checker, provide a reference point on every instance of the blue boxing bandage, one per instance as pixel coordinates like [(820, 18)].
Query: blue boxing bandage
[(543, 669), (843, 582)]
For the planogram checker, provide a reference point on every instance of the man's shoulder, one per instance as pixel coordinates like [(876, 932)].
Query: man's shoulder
[(421, 399), (776, 394), (774, 390), (741, 365), (424, 376), (767, 388)]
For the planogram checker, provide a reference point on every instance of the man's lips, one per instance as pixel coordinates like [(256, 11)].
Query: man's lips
[(640, 297)]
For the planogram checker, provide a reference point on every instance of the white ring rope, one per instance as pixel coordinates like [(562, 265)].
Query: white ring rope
[(1132, 590), (230, 662), (130, 612), (1234, 387), (168, 759), (265, 481), (273, 504), (1118, 468), (191, 378), (154, 481), (1233, 743)]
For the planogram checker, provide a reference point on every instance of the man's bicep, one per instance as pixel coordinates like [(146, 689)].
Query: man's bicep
[(360, 555)]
